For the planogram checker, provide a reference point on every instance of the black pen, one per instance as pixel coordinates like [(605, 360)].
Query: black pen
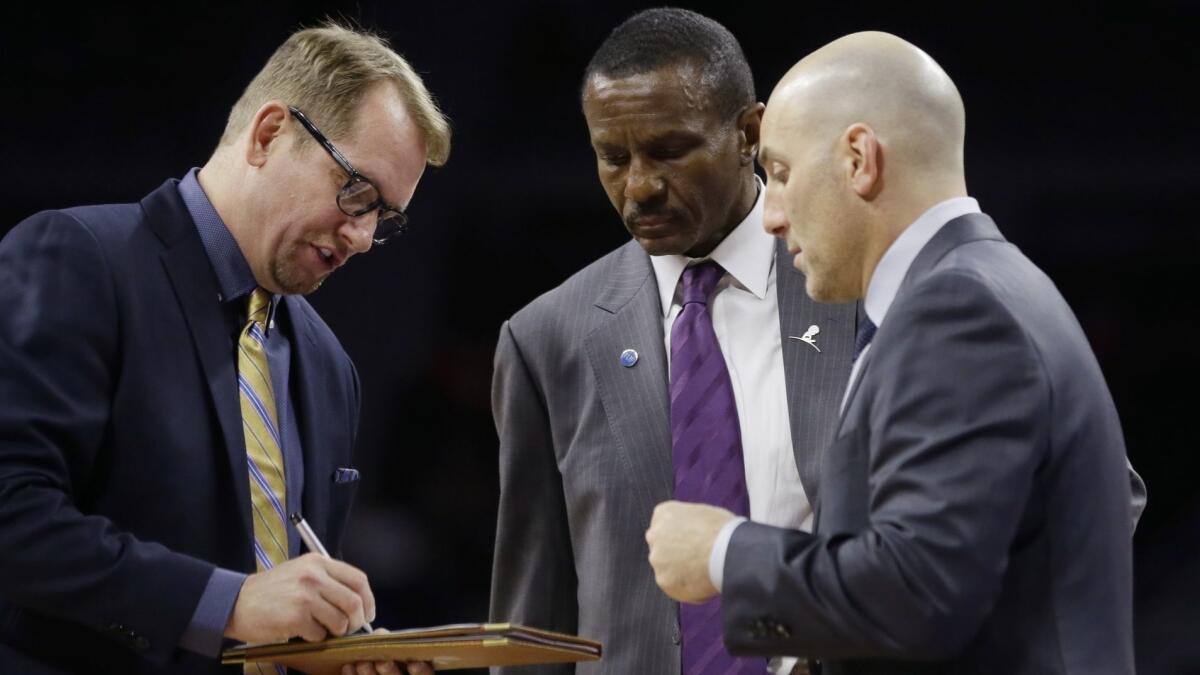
[(310, 540)]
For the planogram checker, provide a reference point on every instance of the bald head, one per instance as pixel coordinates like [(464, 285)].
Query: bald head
[(886, 83), (858, 139)]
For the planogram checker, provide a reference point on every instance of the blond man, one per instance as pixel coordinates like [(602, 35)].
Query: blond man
[(171, 399)]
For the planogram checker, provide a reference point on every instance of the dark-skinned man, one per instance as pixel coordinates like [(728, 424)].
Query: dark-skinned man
[(687, 364)]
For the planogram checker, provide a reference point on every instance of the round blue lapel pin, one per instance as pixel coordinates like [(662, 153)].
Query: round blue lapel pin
[(629, 358)]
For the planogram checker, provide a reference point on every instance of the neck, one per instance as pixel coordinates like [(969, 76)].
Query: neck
[(894, 219), (742, 205), (215, 178)]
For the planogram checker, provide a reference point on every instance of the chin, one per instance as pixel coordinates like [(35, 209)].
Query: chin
[(291, 282), (828, 292), (820, 289), (662, 245)]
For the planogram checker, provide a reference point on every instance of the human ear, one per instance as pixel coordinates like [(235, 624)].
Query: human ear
[(865, 159), (265, 130), (749, 129)]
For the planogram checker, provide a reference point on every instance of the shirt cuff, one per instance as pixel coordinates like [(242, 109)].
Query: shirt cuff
[(716, 559), (207, 629)]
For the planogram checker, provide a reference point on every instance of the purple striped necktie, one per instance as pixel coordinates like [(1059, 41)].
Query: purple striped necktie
[(707, 452)]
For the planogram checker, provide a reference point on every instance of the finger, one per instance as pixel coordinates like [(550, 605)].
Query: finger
[(307, 626), (356, 580), (347, 669), (329, 615), (419, 668), (364, 668), (345, 600), (387, 668)]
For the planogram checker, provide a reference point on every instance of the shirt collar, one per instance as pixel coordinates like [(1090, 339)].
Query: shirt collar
[(234, 278), (893, 266), (747, 254)]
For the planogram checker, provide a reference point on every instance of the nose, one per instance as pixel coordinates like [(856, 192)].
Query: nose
[(643, 182), (357, 233), (774, 218)]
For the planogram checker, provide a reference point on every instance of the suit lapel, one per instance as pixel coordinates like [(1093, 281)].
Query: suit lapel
[(635, 399), (319, 460), (815, 379), (195, 285), (955, 233)]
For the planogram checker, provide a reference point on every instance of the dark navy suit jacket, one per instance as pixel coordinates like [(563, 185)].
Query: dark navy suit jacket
[(123, 477), (975, 509)]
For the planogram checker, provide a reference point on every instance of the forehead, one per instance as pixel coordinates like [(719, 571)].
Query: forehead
[(386, 145), (780, 125), (660, 100)]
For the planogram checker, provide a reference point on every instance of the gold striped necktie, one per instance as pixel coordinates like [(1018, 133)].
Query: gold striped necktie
[(264, 456), (260, 423)]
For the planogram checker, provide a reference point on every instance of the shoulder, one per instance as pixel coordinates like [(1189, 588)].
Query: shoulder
[(81, 226), (565, 308), (995, 276), (975, 311), (116, 229)]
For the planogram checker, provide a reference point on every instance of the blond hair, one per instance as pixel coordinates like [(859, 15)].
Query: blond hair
[(325, 72)]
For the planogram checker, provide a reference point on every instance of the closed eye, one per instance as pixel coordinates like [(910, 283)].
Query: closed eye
[(614, 159), (669, 152)]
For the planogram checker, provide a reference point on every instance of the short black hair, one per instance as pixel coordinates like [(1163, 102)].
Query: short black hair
[(666, 36)]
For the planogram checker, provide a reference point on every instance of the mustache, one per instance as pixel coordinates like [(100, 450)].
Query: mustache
[(634, 218)]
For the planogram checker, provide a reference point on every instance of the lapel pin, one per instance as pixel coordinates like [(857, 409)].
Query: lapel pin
[(629, 358), (809, 337)]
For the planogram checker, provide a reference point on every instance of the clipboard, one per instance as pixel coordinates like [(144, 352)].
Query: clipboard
[(452, 647)]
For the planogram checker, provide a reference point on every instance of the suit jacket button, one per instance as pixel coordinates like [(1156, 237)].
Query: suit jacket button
[(675, 639), (782, 631)]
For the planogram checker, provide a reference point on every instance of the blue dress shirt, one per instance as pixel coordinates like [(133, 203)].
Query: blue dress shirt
[(235, 280)]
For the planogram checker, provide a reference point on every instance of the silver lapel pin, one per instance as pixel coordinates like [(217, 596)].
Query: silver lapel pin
[(809, 336)]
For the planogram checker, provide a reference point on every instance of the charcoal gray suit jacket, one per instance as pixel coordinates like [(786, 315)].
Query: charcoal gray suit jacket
[(585, 451), (975, 500)]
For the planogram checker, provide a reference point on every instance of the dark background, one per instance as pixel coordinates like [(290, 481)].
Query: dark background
[(1080, 144)]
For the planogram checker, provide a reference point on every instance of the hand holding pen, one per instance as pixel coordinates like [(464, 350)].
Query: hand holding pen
[(311, 597), (378, 667), (310, 540)]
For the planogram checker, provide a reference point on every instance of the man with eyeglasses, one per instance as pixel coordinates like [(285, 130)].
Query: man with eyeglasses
[(169, 399)]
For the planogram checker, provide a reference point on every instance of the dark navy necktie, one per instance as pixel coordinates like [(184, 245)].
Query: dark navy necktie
[(707, 453), (863, 335)]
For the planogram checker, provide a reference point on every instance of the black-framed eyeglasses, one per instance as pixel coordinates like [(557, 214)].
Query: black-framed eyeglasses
[(359, 195)]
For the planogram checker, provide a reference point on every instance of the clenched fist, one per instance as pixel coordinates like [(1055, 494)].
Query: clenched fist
[(681, 537)]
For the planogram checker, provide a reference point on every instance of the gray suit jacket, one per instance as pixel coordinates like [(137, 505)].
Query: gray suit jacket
[(975, 500), (585, 451)]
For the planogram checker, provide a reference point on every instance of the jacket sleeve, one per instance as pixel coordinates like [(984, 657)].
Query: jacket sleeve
[(533, 574), (59, 363)]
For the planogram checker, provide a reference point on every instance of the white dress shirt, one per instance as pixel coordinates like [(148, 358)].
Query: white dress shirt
[(745, 314)]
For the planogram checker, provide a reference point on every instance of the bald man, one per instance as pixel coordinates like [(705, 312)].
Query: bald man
[(975, 502)]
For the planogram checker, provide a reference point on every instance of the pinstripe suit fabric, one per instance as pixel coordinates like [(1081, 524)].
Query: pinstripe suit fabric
[(585, 452)]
